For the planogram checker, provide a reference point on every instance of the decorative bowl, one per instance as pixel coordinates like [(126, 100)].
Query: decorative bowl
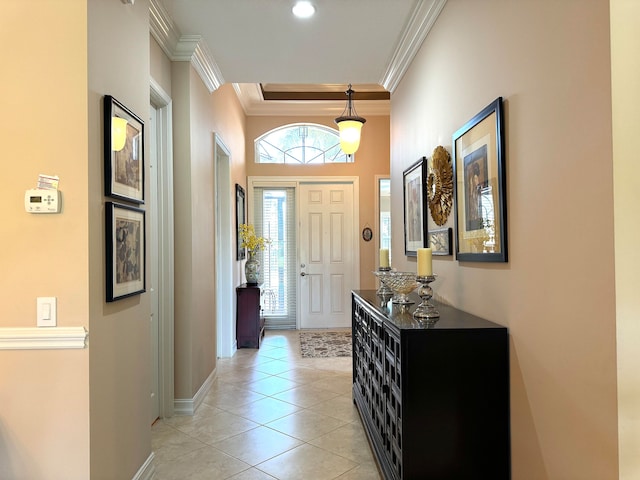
[(401, 283), (384, 291)]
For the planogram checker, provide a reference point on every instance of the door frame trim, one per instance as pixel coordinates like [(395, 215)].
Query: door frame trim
[(288, 181), (163, 104), (226, 345)]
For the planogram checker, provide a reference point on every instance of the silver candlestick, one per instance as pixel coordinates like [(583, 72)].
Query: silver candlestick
[(426, 311)]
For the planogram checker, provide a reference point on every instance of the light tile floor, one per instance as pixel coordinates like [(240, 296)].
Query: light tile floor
[(270, 414)]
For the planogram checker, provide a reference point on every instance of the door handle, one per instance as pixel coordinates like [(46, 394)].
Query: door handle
[(302, 274)]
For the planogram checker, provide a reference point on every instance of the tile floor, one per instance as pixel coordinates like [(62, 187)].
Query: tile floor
[(270, 414)]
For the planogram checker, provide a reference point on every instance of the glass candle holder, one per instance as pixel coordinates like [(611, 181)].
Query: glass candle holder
[(384, 292), (426, 311)]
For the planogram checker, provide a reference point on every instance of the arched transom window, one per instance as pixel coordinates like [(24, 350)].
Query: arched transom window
[(301, 143)]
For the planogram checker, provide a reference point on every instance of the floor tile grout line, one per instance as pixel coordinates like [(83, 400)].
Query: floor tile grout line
[(300, 375)]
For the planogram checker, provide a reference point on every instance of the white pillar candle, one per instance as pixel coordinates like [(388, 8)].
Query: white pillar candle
[(384, 257), (425, 268)]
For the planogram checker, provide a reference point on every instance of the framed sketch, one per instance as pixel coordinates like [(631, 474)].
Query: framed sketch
[(440, 241), (240, 219), (480, 187), (415, 207), (123, 152), (125, 251)]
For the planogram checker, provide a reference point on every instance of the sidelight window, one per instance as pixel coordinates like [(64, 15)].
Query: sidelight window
[(275, 219)]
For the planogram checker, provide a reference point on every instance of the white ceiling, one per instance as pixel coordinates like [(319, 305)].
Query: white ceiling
[(368, 43)]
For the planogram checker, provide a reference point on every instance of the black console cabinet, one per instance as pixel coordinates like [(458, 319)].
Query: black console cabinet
[(434, 400), (249, 318)]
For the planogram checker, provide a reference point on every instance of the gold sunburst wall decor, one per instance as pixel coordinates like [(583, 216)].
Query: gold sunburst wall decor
[(440, 185)]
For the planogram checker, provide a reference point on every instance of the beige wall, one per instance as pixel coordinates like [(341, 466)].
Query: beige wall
[(160, 65), (625, 45), (371, 159), (44, 395), (183, 264), (119, 346), (56, 402), (550, 61), (199, 114)]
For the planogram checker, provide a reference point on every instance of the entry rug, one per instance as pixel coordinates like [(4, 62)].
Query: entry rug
[(325, 344)]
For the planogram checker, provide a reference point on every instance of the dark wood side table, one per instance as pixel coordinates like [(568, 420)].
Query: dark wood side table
[(249, 318), (434, 399)]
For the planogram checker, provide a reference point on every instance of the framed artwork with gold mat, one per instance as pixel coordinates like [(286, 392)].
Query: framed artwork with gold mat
[(480, 187)]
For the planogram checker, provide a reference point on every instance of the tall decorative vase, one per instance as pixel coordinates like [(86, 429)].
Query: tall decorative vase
[(252, 269)]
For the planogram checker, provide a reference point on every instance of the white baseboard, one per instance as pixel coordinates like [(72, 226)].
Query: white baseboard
[(147, 470), (188, 406)]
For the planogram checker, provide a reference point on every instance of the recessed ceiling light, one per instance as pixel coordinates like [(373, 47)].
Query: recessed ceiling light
[(303, 9)]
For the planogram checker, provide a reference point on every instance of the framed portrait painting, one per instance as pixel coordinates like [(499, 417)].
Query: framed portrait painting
[(125, 251), (123, 152), (480, 187), (415, 207)]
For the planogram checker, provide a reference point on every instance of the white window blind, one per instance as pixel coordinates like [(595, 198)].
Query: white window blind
[(275, 219)]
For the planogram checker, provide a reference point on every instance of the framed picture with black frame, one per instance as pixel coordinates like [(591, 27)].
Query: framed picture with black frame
[(125, 251), (240, 219), (123, 152), (480, 187), (415, 207), (440, 241)]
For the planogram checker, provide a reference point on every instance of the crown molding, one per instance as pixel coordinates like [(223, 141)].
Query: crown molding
[(162, 28), (185, 48), (248, 94), (422, 20), (193, 48)]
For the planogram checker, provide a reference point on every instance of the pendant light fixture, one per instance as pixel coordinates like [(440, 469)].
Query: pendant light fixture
[(350, 126)]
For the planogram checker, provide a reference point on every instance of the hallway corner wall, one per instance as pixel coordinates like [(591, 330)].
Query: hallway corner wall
[(120, 339), (371, 159), (44, 394), (198, 114), (550, 61)]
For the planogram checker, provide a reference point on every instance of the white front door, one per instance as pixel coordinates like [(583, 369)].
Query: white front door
[(327, 247)]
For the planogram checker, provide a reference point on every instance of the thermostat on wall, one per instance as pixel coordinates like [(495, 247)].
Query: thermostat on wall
[(39, 200)]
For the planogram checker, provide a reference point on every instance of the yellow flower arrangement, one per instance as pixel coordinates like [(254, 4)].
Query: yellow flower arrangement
[(250, 240)]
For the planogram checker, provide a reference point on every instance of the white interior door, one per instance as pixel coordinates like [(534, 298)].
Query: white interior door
[(327, 247)]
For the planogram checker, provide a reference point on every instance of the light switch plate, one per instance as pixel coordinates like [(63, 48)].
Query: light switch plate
[(46, 311)]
